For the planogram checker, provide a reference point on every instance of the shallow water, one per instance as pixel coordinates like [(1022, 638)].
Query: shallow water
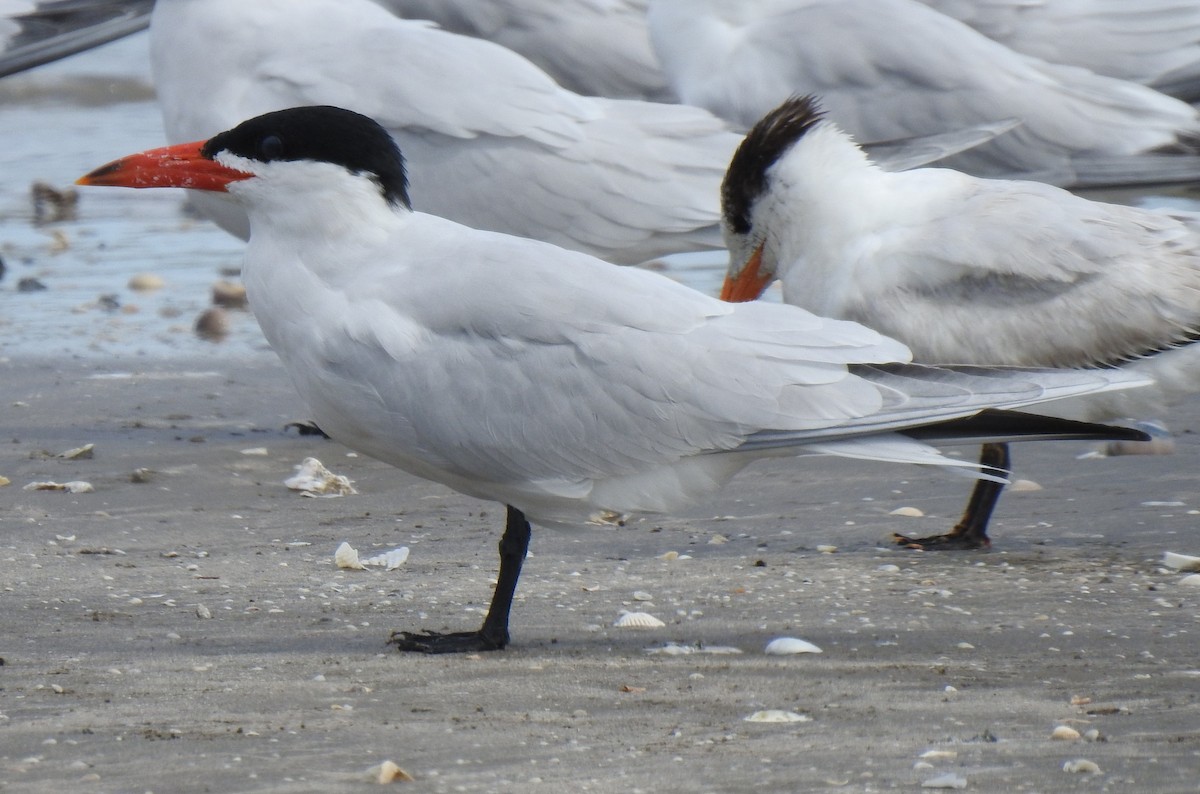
[(64, 119)]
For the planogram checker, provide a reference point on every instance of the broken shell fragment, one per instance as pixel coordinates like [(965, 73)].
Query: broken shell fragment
[(346, 556), (948, 780), (1180, 562), (1082, 766), (86, 452), (912, 512), (777, 715), (75, 486), (313, 479), (638, 620), (784, 646), (389, 772), (389, 560)]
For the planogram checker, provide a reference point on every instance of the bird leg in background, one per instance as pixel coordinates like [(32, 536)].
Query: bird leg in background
[(971, 530), (493, 634)]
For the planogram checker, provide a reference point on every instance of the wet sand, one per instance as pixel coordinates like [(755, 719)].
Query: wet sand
[(191, 632)]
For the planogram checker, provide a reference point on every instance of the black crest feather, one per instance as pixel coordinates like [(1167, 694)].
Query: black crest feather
[(775, 133)]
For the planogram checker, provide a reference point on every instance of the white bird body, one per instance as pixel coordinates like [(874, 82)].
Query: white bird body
[(515, 370), (592, 47), (976, 271), (1154, 42), (896, 68), (502, 146)]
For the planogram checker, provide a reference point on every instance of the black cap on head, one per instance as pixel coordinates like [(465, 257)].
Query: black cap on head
[(321, 133), (746, 177)]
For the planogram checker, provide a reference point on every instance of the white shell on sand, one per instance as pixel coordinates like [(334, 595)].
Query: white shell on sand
[(313, 479), (1180, 562), (346, 556), (1024, 485), (1082, 766), (1065, 733), (784, 646), (389, 560), (913, 512), (86, 452), (638, 620), (1191, 580), (777, 715)]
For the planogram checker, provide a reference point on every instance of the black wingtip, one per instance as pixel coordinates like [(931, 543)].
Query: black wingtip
[(995, 423), (768, 140)]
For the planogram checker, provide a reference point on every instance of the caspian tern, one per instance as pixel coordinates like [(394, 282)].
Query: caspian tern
[(553, 382), (503, 146), (592, 47), (34, 32), (897, 68), (966, 270), (1154, 42)]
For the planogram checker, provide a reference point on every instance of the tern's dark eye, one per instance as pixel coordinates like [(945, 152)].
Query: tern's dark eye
[(270, 148)]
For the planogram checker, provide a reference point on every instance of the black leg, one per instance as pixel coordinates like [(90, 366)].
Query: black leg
[(971, 530), (493, 634)]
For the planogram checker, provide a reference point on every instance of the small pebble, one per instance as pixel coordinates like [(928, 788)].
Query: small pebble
[(229, 294), (212, 325), (146, 282)]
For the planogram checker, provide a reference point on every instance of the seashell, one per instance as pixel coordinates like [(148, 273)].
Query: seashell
[(948, 780), (258, 451), (388, 560), (638, 620), (1080, 700), (1180, 562), (777, 715), (888, 568), (827, 549), (313, 479), (913, 512), (1082, 766), (389, 772), (346, 556), (146, 282), (1191, 580), (785, 646), (1065, 733), (642, 595), (203, 612), (1024, 485), (75, 486), (4, 481), (86, 452), (717, 540), (668, 556)]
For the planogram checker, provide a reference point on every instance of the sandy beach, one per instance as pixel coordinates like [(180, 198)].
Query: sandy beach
[(185, 628)]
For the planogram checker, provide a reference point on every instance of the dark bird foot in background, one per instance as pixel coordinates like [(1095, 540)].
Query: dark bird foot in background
[(451, 642), (307, 428), (958, 539)]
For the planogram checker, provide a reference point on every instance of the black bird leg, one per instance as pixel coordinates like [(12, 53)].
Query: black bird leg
[(493, 634), (971, 530)]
